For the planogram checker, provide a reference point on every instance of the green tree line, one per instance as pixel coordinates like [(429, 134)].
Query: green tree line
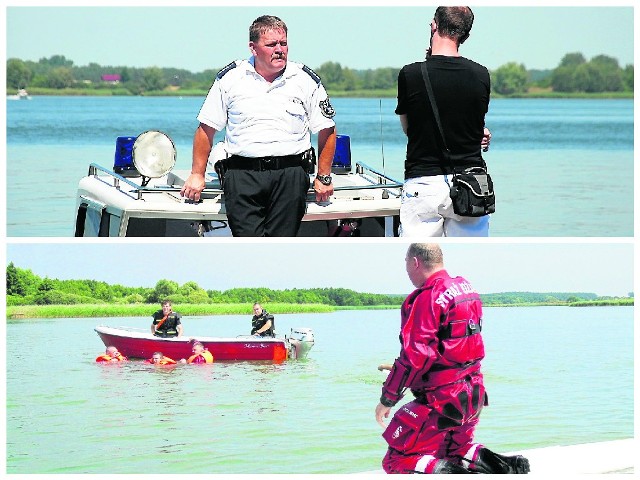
[(574, 74), (26, 288)]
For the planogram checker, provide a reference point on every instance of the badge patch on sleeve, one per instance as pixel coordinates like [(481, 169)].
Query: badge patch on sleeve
[(327, 109)]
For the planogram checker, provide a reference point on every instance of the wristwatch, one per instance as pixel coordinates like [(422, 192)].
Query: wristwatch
[(324, 179)]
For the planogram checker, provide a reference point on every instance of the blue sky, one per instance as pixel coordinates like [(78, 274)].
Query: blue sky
[(605, 268), (197, 38)]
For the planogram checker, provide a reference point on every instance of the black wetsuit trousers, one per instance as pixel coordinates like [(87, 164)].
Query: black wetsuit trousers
[(269, 203)]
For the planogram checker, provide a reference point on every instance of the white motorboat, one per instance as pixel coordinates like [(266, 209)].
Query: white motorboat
[(21, 95), (123, 202)]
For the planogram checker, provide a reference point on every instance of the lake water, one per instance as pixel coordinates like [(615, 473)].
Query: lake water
[(560, 167), (555, 375)]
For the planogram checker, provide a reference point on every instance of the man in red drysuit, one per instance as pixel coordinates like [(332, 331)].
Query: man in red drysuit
[(440, 362)]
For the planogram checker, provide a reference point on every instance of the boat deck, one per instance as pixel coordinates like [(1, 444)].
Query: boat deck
[(157, 209), (614, 456)]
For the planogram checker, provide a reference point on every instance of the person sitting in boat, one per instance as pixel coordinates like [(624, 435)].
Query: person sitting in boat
[(200, 354), (166, 322), (111, 354), (159, 359), (262, 323)]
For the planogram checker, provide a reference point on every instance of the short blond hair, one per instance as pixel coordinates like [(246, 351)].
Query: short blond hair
[(429, 254)]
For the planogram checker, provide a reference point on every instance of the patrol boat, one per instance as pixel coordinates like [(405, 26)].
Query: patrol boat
[(140, 343), (140, 196)]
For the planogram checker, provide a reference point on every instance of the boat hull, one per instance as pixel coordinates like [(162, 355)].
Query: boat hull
[(135, 344)]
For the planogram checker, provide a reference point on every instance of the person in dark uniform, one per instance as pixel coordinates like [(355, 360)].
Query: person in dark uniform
[(166, 322), (268, 107), (262, 323)]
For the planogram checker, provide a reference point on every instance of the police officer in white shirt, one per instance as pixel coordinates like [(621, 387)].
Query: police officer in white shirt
[(269, 108)]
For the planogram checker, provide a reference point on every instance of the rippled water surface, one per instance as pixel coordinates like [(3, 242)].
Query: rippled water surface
[(560, 167), (555, 375)]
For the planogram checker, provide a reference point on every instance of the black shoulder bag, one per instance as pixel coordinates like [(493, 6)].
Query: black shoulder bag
[(472, 189)]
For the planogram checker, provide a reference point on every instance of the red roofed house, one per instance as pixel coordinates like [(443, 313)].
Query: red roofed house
[(111, 78)]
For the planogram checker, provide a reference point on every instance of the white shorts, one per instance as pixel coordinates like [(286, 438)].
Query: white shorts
[(426, 210)]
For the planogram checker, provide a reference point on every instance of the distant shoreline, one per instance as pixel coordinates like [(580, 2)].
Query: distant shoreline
[(34, 312), (389, 93)]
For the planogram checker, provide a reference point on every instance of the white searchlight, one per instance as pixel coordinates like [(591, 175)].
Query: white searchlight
[(154, 155)]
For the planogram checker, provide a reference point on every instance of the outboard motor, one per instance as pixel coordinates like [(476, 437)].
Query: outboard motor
[(300, 342)]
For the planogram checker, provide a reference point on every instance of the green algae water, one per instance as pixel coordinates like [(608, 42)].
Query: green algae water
[(555, 375)]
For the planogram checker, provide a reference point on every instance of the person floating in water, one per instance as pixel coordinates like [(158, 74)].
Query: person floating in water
[(159, 359), (111, 354), (200, 354)]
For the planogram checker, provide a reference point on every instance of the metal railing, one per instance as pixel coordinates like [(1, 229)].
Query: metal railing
[(383, 182)]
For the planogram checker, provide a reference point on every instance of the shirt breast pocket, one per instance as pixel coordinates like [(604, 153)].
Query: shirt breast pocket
[(297, 117)]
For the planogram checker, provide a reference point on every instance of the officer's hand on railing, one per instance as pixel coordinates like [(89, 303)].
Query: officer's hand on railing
[(193, 187)]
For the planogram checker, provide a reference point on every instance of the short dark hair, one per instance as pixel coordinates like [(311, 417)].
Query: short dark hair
[(263, 24), (454, 22)]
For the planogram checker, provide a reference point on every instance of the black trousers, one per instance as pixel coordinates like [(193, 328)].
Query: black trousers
[(269, 203)]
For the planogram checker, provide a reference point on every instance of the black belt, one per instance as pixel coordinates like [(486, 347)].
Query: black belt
[(236, 162)]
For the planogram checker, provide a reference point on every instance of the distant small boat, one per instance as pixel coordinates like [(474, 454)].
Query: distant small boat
[(21, 95), (137, 343)]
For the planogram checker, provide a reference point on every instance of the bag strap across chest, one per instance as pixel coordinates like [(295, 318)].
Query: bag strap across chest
[(436, 114)]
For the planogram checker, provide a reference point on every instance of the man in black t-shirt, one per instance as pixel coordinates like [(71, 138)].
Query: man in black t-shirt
[(461, 89)]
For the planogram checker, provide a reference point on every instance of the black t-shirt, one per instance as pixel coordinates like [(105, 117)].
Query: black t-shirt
[(461, 88)]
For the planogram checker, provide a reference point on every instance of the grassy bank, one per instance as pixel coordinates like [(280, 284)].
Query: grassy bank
[(23, 312), (577, 95), (80, 92), (617, 302), (622, 302), (26, 312)]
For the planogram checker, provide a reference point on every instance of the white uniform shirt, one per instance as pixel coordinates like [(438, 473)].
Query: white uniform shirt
[(267, 119)]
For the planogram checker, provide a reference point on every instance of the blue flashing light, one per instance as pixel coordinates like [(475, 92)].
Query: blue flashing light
[(342, 158), (123, 158)]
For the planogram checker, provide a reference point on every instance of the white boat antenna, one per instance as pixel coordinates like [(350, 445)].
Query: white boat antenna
[(381, 136)]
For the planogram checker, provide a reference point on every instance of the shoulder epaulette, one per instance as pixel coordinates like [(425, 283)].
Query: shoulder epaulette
[(312, 74), (226, 70)]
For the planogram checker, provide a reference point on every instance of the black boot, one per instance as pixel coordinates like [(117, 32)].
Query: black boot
[(444, 466), (490, 462)]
